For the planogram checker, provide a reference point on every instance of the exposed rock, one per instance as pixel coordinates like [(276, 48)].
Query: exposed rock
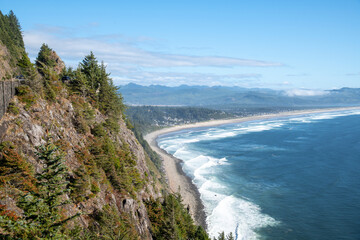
[(30, 127), (5, 68), (60, 65)]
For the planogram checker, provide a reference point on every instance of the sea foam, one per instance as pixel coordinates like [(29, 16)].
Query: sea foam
[(238, 216), (225, 211)]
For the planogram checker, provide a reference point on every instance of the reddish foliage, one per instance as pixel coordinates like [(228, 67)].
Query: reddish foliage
[(15, 171), (9, 213)]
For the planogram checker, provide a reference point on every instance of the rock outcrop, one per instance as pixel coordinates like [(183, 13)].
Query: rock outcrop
[(59, 64), (28, 129), (6, 70), (7, 92)]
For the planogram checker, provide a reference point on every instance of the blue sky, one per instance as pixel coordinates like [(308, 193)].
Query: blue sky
[(277, 44)]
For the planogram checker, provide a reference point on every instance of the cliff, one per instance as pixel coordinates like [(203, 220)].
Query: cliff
[(70, 167), (31, 119), (5, 68), (29, 128), (7, 92)]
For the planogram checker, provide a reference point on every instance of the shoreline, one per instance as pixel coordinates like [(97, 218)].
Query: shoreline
[(176, 177), (180, 182)]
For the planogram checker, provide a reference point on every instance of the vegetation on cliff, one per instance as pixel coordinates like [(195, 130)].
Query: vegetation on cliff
[(11, 36), (69, 166)]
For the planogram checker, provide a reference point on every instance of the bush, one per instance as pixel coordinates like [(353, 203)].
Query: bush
[(26, 95), (118, 164), (112, 124), (170, 220), (13, 109), (79, 184), (98, 130), (15, 171), (95, 188), (112, 225)]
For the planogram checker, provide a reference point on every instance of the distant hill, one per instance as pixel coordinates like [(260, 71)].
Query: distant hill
[(221, 97), (148, 118)]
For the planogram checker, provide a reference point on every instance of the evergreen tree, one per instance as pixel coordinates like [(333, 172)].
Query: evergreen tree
[(230, 236), (41, 217), (45, 63), (89, 66), (109, 98), (101, 88), (11, 36), (16, 30), (44, 58), (26, 67), (221, 236)]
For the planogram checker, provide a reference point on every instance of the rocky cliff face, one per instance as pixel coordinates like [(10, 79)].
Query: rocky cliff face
[(28, 128), (59, 64), (69, 166), (6, 70)]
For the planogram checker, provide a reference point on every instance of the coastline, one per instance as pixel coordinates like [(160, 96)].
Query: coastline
[(179, 182), (176, 177)]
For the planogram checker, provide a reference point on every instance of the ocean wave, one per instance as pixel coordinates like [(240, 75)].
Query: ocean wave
[(239, 216), (259, 126), (323, 116), (184, 154), (225, 211), (218, 134), (201, 166)]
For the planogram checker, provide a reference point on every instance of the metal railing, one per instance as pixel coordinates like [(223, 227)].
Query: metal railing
[(7, 92)]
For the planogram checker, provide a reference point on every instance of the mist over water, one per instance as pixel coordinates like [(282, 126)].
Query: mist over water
[(286, 178)]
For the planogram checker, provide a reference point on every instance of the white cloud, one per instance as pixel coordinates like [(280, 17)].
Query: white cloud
[(129, 54), (304, 92), (128, 62), (176, 78)]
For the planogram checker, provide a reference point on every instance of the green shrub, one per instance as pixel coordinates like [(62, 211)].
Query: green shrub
[(26, 95), (13, 109), (112, 224), (98, 130), (79, 184), (88, 112), (112, 124), (81, 125), (95, 188), (22, 90), (128, 123), (118, 163), (170, 220)]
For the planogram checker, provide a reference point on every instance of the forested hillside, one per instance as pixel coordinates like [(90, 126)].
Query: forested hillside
[(70, 168), (148, 118), (12, 46)]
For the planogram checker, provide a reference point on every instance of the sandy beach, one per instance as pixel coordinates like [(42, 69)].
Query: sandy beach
[(177, 179)]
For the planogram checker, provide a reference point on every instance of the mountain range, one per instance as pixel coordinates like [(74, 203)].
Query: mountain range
[(220, 97)]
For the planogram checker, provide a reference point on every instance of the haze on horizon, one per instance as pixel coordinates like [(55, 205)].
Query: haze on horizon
[(269, 44)]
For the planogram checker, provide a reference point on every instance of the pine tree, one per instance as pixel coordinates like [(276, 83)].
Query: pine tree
[(221, 236), (100, 87), (44, 58), (41, 217), (89, 66), (11, 36), (28, 69), (230, 236), (16, 29)]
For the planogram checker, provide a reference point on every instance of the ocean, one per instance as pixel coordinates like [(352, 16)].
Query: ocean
[(286, 178)]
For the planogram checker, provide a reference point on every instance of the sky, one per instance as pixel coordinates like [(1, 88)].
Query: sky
[(278, 44)]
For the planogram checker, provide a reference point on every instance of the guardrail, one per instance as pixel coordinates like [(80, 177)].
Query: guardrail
[(7, 92)]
